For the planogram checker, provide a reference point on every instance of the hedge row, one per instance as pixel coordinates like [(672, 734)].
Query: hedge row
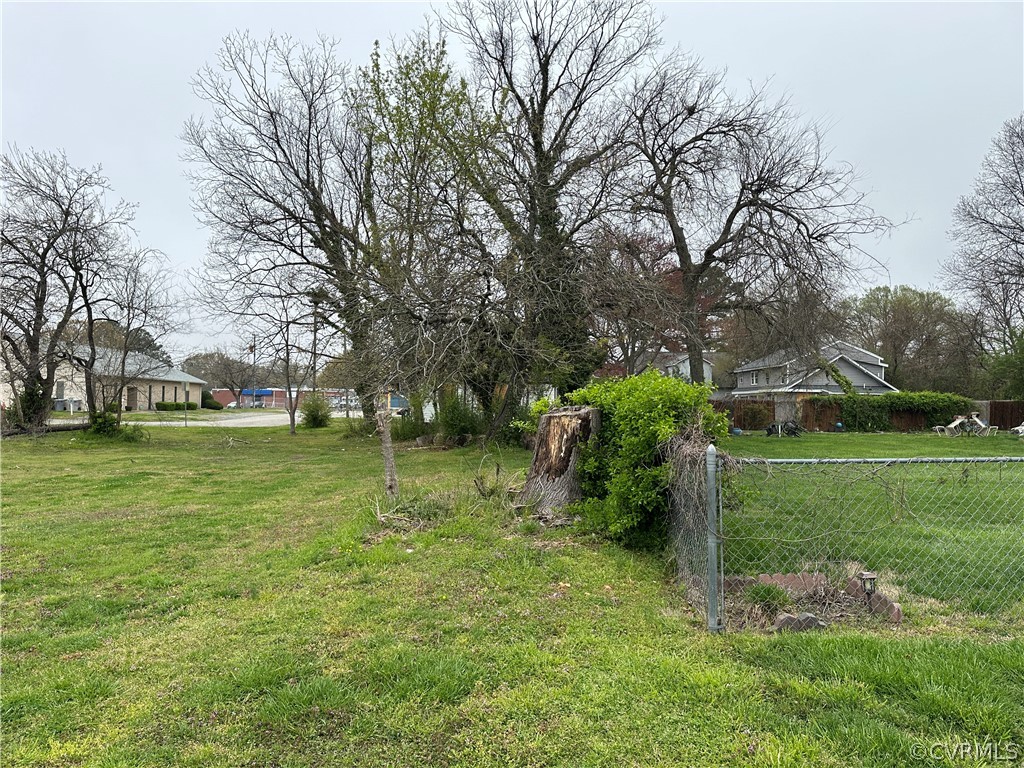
[(165, 406), (863, 413)]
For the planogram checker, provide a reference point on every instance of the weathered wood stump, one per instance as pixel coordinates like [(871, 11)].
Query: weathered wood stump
[(552, 482)]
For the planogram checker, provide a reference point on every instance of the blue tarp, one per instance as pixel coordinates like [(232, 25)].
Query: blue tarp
[(259, 392)]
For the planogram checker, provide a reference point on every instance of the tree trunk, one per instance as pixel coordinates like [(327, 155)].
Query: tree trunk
[(387, 448), (552, 481)]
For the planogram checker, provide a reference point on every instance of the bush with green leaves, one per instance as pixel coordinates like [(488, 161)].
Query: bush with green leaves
[(455, 417), (171, 406), (316, 411), (210, 402), (526, 420), (104, 424), (623, 474), (405, 428)]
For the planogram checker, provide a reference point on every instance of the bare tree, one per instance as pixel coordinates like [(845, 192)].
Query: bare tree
[(352, 196), (629, 288), (57, 232), (747, 194), (221, 368), (545, 72), (134, 304), (280, 170), (987, 269)]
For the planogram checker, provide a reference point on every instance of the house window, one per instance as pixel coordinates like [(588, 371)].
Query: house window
[(150, 407), (163, 394), (58, 390), (175, 394), (785, 375), (753, 378)]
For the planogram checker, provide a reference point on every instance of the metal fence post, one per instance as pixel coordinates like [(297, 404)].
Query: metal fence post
[(714, 540)]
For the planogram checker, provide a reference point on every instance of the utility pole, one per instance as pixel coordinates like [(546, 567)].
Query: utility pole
[(253, 348), (316, 312)]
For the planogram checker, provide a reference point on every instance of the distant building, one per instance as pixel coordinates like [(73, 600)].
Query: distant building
[(785, 373), (145, 381)]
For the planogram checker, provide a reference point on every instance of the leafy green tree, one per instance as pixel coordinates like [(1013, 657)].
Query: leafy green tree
[(923, 337)]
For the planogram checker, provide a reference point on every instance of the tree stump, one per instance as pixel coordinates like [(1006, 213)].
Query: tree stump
[(552, 481)]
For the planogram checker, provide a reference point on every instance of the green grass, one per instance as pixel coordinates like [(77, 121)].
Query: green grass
[(230, 598), (950, 533), (819, 445)]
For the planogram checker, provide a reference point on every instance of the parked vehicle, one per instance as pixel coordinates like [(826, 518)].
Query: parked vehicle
[(232, 404)]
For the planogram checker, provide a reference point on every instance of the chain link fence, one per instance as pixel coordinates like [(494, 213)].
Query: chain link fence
[(849, 540)]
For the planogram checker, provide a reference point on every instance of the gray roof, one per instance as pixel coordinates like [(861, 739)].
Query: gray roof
[(137, 366), (829, 351)]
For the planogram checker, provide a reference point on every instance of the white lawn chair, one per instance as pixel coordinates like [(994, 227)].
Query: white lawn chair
[(986, 431), (1018, 431), (953, 430)]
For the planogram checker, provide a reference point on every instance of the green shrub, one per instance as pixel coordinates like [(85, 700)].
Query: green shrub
[(520, 425), (169, 406), (210, 402), (752, 415), (316, 411), (405, 428), (104, 423), (623, 476), (525, 421), (455, 417), (868, 413)]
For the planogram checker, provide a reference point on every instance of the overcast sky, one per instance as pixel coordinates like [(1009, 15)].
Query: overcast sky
[(913, 93)]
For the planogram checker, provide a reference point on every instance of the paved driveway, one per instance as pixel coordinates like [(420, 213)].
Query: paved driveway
[(245, 419)]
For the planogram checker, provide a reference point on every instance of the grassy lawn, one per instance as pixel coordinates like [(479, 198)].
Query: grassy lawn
[(821, 445), (944, 538), (215, 599)]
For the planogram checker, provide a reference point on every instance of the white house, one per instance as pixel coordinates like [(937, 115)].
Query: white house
[(677, 365)]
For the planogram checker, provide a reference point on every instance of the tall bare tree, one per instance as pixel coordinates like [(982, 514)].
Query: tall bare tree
[(986, 270), (280, 170), (631, 293), (746, 192), (545, 73), (127, 314), (353, 193), (56, 243)]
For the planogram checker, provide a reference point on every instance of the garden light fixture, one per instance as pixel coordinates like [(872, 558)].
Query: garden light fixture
[(867, 582)]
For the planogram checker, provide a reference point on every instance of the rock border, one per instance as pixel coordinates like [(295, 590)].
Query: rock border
[(807, 582)]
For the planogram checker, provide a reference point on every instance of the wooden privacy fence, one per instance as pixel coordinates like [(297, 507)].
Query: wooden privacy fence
[(1005, 413), (747, 414), (819, 417)]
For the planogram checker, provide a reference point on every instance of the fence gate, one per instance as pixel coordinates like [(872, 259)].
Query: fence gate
[(851, 541)]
